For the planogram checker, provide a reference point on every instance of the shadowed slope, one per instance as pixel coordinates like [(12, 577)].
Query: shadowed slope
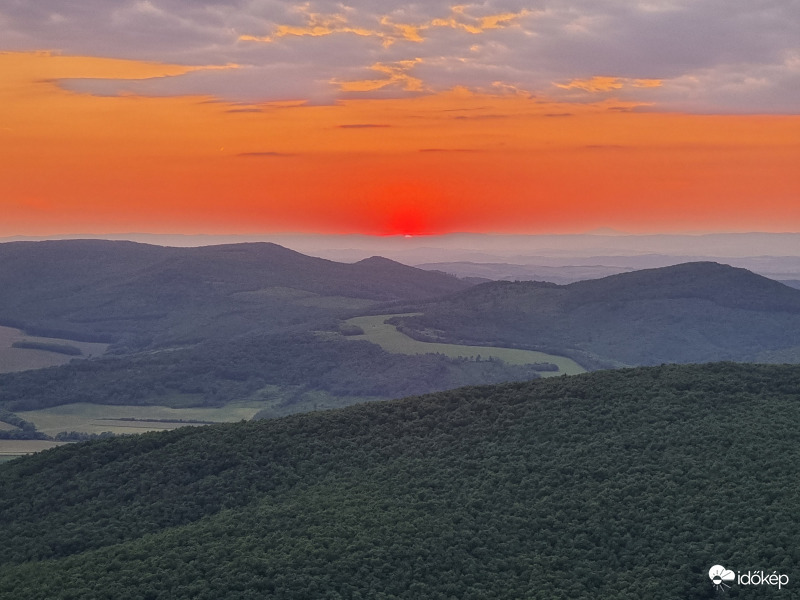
[(694, 312), (106, 290)]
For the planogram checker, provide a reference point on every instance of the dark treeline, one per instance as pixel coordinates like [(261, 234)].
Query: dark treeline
[(24, 430), (622, 484)]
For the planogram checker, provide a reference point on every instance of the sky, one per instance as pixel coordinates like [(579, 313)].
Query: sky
[(389, 118)]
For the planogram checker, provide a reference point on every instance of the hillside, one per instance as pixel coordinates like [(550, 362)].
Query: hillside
[(615, 484), (694, 312), (139, 295), (216, 373)]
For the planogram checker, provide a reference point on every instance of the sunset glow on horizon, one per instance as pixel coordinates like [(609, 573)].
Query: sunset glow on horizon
[(389, 141)]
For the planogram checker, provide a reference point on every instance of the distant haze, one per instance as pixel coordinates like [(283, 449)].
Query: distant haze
[(557, 258)]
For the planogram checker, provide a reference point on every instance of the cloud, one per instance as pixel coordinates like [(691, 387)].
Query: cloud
[(480, 117), (266, 154), (362, 126), (244, 110), (396, 74), (448, 150), (716, 55), (317, 25), (606, 84), (605, 147), (385, 29)]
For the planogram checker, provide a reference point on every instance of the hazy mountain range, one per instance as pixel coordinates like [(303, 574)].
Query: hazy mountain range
[(110, 290), (141, 295), (555, 258), (260, 323)]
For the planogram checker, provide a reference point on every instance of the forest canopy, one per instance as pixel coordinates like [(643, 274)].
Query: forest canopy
[(613, 484)]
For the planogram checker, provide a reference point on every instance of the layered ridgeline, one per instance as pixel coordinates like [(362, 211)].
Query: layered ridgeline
[(138, 295), (293, 356), (613, 484), (693, 312), (254, 324)]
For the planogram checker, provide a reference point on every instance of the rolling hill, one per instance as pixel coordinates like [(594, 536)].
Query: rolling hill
[(693, 312), (622, 484), (137, 295)]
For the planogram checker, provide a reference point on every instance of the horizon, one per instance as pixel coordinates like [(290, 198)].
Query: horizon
[(598, 232), (324, 118)]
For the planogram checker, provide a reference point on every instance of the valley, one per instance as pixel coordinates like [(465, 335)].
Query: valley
[(217, 334)]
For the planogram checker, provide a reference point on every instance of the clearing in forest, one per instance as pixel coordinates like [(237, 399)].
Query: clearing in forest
[(377, 331)]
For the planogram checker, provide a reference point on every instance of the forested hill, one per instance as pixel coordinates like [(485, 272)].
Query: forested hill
[(614, 484), (104, 290), (725, 286), (694, 312)]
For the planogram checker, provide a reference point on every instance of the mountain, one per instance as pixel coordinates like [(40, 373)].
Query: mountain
[(138, 294), (621, 484), (694, 312), (494, 271)]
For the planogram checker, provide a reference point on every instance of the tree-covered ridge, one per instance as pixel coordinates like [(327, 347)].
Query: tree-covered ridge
[(137, 295), (613, 484), (694, 312)]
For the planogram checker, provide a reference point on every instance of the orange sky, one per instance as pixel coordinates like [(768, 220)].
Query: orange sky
[(433, 163)]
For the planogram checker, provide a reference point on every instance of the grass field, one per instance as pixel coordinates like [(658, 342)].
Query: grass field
[(390, 339), (22, 359), (97, 418), (13, 448)]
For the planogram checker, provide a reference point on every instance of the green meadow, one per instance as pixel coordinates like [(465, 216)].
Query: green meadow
[(377, 331), (98, 418), (10, 449)]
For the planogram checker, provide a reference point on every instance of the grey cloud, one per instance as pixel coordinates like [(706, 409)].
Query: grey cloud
[(728, 55), (737, 88), (636, 43)]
